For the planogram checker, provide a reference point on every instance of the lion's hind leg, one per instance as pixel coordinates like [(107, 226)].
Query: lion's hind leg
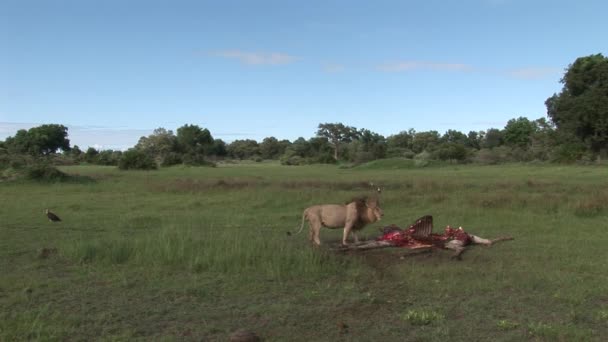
[(314, 229)]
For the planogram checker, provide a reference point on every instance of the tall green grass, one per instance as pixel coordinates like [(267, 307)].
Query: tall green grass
[(207, 249)]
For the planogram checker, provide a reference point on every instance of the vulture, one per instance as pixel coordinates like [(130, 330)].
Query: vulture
[(52, 217)]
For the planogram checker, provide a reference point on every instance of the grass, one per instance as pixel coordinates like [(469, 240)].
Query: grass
[(189, 253)]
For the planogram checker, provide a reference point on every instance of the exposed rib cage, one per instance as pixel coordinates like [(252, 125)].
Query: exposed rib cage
[(423, 227)]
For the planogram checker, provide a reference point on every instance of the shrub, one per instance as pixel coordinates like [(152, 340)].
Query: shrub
[(196, 159), (171, 159), (451, 151), (44, 172), (292, 160), (136, 160)]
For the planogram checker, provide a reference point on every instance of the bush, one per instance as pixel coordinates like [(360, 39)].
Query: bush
[(195, 159), (136, 160), (362, 157), (44, 172), (292, 160), (568, 152), (326, 158), (171, 159), (451, 151)]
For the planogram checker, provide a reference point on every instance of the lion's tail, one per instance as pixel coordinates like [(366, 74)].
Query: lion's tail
[(301, 225)]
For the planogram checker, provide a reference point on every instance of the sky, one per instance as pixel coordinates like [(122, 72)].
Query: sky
[(114, 70)]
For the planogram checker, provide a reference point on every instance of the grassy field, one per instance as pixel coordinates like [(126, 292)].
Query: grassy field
[(197, 253)]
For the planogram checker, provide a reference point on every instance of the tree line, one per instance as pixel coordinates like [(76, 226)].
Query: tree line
[(576, 130)]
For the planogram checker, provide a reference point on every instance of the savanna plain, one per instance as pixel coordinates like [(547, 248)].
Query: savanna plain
[(198, 253)]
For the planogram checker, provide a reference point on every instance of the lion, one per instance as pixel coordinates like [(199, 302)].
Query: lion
[(353, 216)]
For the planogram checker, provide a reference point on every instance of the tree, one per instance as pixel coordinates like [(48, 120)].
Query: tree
[(372, 144), (301, 147), (243, 149), (193, 139), (41, 140), (451, 151), (320, 150), (581, 108), (90, 156), (159, 144), (271, 148), (493, 138), (336, 134), (454, 136), (134, 159), (218, 148), (400, 144), (425, 141), (518, 132), (402, 139), (474, 139), (76, 152)]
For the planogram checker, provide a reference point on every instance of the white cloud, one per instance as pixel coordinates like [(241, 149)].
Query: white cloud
[(333, 67), (257, 58), (403, 66), (533, 73)]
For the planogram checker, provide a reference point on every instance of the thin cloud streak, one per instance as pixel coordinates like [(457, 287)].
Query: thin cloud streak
[(333, 68), (257, 58), (533, 73), (404, 66)]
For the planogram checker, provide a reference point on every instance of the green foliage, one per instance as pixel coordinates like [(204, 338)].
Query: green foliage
[(243, 149), (194, 159), (41, 140), (492, 138), (134, 159), (451, 151), (90, 156), (44, 172), (581, 108), (218, 148), (108, 157), (400, 152), (290, 158), (271, 148), (425, 141), (337, 134), (401, 140), (487, 156), (518, 132), (172, 158), (158, 144), (192, 138)]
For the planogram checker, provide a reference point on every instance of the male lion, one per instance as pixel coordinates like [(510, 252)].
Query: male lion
[(353, 216)]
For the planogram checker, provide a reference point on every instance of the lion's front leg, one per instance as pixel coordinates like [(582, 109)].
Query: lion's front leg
[(347, 229)]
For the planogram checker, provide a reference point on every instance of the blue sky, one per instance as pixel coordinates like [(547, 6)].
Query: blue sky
[(113, 70)]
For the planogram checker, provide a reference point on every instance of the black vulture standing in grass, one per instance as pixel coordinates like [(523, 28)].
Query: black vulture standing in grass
[(52, 217)]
